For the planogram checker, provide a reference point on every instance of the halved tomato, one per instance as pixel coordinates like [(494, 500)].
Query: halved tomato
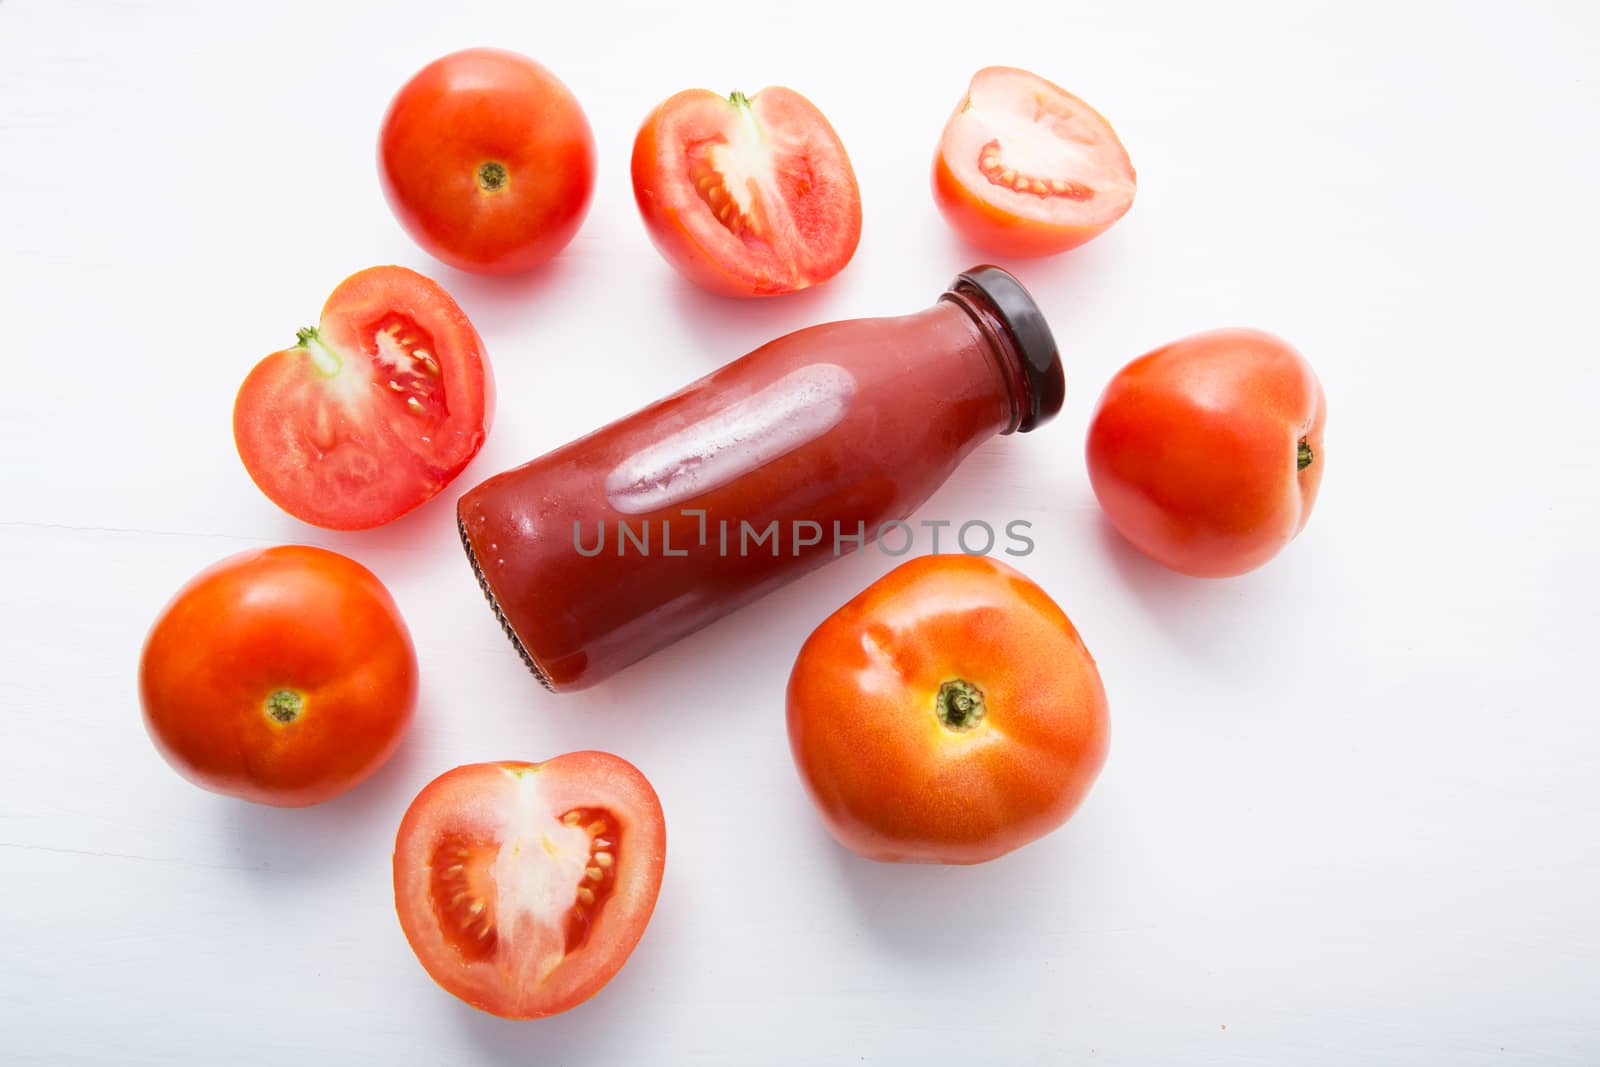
[(747, 196), (524, 887), (373, 411), (1027, 169)]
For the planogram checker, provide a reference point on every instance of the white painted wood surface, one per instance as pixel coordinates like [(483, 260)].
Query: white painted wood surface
[(1350, 811)]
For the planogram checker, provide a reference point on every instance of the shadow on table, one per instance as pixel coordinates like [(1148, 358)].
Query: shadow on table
[(394, 546), (966, 915), (307, 841), (725, 327), (1198, 614)]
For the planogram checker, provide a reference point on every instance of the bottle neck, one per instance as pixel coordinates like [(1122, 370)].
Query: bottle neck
[(1002, 351), (1017, 338)]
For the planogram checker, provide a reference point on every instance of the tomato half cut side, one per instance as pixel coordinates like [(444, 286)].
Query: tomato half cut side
[(1025, 168), (524, 887), (747, 196), (374, 410)]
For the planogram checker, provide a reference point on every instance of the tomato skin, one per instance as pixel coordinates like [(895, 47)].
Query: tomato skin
[(813, 187), (485, 105), (1002, 221), (480, 840), (1195, 451), (891, 780), (291, 618), (996, 231), (345, 450)]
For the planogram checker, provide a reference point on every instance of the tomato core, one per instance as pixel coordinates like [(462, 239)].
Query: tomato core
[(960, 705), (725, 170), (285, 705), (492, 176), (1305, 456), (463, 883), (325, 359), (711, 185)]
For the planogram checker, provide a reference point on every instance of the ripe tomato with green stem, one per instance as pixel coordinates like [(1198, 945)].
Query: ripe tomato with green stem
[(524, 887), (1025, 168), (1207, 453), (747, 196), (488, 161), (283, 676), (950, 713), (374, 410)]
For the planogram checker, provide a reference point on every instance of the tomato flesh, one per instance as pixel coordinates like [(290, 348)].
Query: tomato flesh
[(464, 890), (524, 887), (463, 894), (1026, 168), (747, 196), (374, 411)]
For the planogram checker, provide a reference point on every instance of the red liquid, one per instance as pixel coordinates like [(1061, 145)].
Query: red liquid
[(850, 423)]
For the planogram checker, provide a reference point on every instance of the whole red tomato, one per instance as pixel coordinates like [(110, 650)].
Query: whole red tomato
[(524, 887), (375, 409), (487, 161), (747, 196), (282, 676), (948, 714), (1207, 453), (1025, 168)]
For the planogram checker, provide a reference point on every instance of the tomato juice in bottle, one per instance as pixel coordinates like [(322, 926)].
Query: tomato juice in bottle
[(619, 543)]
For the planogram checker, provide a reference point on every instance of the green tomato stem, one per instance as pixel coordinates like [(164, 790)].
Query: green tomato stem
[(959, 705), (325, 359)]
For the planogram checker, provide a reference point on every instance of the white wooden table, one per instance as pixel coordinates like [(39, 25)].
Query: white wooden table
[(1350, 810)]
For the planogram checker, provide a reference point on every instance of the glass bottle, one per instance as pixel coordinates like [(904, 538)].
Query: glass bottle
[(621, 542)]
